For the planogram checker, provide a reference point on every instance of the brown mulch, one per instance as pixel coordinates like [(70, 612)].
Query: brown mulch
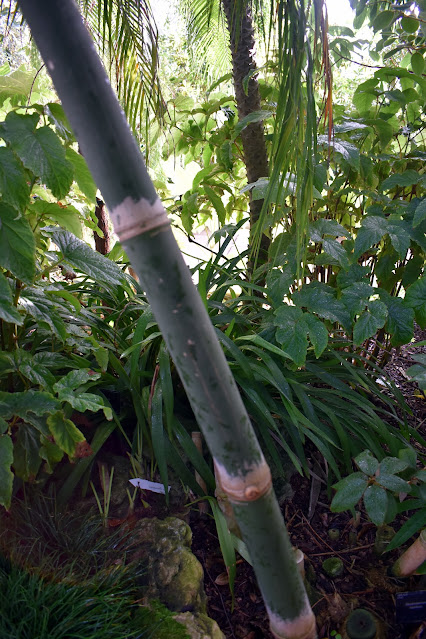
[(365, 581)]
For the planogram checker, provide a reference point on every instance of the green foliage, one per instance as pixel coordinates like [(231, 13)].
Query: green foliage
[(379, 484)]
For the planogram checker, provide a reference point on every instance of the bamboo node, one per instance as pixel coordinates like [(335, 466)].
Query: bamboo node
[(132, 218), (255, 483)]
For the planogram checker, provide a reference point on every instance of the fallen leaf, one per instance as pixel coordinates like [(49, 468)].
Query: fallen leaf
[(222, 579)]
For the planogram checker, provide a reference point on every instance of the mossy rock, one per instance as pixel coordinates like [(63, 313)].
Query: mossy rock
[(175, 576), (199, 626)]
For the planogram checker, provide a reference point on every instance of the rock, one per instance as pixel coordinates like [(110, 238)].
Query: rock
[(175, 576), (199, 626)]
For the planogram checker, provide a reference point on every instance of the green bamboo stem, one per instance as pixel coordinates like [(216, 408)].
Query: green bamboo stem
[(143, 227)]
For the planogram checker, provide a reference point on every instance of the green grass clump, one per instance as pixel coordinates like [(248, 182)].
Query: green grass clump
[(31, 608)]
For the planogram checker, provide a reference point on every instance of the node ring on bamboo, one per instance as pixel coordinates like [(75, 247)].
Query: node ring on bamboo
[(250, 486)]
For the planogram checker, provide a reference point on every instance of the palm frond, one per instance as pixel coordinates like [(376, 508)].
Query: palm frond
[(127, 37)]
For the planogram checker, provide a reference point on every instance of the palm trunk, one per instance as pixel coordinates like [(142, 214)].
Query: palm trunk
[(144, 229), (240, 26)]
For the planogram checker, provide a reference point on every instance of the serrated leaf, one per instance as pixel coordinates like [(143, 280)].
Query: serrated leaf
[(336, 251), (399, 236), (85, 401), (420, 213), (19, 404), (8, 312), (14, 189), (65, 216), (217, 203), (349, 492), (367, 463), (6, 475), (322, 227), (355, 273), (51, 453), (278, 284), (400, 322), (40, 151), (318, 333), (292, 332), (82, 175), (65, 433), (376, 503), (356, 296), (255, 116), (320, 299), (394, 483), (408, 178), (415, 298), (74, 379), (40, 306), (373, 228), (17, 86), (370, 321), (347, 150), (383, 129), (17, 244), (82, 257)]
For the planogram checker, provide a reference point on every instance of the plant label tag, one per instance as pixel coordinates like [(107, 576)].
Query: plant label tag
[(411, 606), (153, 486)]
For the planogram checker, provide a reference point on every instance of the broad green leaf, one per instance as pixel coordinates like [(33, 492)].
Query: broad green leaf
[(349, 492), (400, 322), (318, 333), (322, 227), (225, 155), (392, 465), (255, 116), (82, 175), (38, 304), (367, 462), (372, 230), (17, 86), (420, 213), (3, 426), (356, 296), (415, 298), (363, 99), (418, 374), (320, 299), (409, 24), (217, 203), (6, 475), (292, 332), (65, 216), (57, 117), (40, 151), (396, 96), (278, 284), (17, 244), (85, 401), (74, 379), (399, 236), (19, 404), (65, 433), (408, 456), (417, 63), (347, 150), (383, 19), (25, 363), (8, 312), (376, 503), (370, 321), (26, 458), (51, 453), (355, 273), (336, 251), (408, 178), (14, 189), (383, 129), (82, 257), (393, 483)]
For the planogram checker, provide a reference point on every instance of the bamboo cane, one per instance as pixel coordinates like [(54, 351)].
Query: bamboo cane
[(143, 227)]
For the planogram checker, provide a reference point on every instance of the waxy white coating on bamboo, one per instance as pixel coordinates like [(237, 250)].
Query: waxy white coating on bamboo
[(412, 558), (132, 218), (255, 482), (301, 627)]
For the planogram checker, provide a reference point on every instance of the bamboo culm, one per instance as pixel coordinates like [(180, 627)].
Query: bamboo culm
[(143, 227)]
